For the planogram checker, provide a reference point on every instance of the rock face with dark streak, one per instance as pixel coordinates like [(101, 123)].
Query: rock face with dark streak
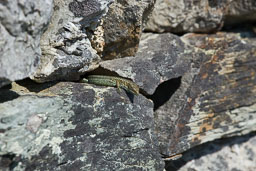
[(217, 101), (75, 126), (161, 57)]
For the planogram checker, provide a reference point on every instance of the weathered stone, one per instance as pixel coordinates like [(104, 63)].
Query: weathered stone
[(199, 16), (66, 48), (186, 16), (22, 24), (123, 27), (236, 153), (219, 100), (242, 11), (160, 57), (75, 126)]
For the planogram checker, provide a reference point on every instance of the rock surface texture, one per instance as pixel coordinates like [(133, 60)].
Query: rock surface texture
[(75, 126), (195, 108), (66, 48), (21, 25), (123, 26), (199, 16), (208, 104), (229, 154)]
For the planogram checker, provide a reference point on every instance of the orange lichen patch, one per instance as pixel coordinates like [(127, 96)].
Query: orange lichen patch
[(189, 100), (214, 59), (223, 99), (254, 89), (206, 125), (211, 40), (180, 125), (204, 76), (253, 74)]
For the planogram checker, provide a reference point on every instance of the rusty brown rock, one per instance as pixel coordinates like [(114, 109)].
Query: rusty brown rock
[(123, 26), (218, 101)]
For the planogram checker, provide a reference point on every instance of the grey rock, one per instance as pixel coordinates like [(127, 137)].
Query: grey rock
[(160, 57), (242, 11), (22, 24), (199, 16), (66, 49), (186, 16), (216, 101), (123, 27), (234, 154), (75, 126)]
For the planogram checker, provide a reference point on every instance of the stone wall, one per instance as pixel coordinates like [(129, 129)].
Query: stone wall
[(194, 63)]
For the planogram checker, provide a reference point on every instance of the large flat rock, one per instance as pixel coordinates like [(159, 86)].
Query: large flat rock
[(75, 126)]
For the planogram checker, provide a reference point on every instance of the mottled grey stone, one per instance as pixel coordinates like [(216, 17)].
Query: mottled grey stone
[(66, 49), (234, 154), (205, 16), (22, 24), (242, 11), (160, 57), (215, 100), (186, 16), (75, 126)]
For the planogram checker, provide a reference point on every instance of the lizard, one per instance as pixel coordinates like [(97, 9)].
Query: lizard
[(112, 81)]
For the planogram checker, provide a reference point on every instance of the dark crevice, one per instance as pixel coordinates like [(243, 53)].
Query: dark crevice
[(61, 164), (206, 149), (35, 87), (133, 133), (7, 161), (164, 92), (101, 71), (248, 30), (6, 94)]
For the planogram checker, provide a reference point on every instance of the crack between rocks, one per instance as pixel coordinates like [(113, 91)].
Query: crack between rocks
[(164, 92)]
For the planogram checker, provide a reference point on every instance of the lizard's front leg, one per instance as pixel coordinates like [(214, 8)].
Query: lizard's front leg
[(118, 86)]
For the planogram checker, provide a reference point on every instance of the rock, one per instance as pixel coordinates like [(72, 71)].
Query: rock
[(22, 24), (66, 49), (216, 101), (160, 57), (242, 11), (199, 16), (123, 26), (236, 153), (78, 38), (186, 16), (75, 126)]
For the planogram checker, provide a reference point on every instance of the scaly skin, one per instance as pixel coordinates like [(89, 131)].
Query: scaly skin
[(113, 82)]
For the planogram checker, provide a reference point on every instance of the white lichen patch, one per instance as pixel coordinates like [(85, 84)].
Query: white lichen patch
[(55, 144)]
